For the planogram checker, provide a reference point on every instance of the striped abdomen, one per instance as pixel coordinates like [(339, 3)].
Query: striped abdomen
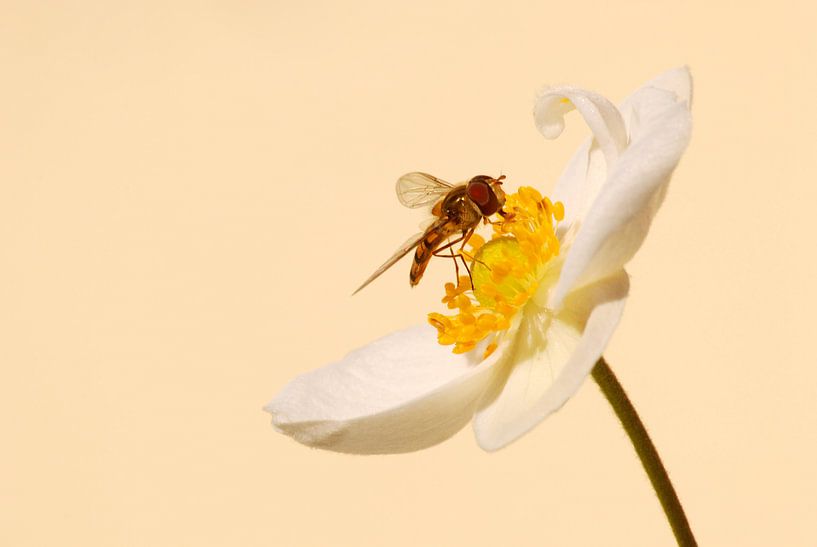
[(434, 237)]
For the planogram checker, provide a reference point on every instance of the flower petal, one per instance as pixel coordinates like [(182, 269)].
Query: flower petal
[(401, 393), (586, 171), (600, 115), (677, 81), (548, 361), (619, 218)]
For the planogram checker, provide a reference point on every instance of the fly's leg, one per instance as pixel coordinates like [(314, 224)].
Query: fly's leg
[(450, 247), (474, 258), (447, 246), (456, 267), (505, 217), (461, 254), (466, 235)]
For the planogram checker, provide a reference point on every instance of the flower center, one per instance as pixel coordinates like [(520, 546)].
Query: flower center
[(506, 273)]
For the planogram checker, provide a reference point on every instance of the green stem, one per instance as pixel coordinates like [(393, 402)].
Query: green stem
[(646, 451)]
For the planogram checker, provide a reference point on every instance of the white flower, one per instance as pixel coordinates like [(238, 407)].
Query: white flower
[(406, 392)]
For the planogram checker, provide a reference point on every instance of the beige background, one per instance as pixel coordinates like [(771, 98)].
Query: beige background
[(189, 193)]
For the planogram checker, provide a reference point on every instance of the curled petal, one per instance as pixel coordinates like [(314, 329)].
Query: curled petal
[(587, 171), (619, 218), (401, 393), (601, 116), (548, 361)]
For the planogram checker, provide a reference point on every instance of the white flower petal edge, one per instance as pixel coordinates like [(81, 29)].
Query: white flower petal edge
[(617, 203), (586, 170), (600, 114), (401, 393), (548, 360)]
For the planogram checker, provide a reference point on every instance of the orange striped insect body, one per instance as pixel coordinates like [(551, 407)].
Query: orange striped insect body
[(456, 213)]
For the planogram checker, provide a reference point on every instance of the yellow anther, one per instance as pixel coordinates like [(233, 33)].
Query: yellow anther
[(446, 339), (489, 350), (439, 321), (463, 347), (558, 211), (521, 298), (486, 321), (505, 310), (490, 291), (475, 242), (463, 302)]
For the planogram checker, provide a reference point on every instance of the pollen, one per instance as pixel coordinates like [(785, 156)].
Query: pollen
[(506, 272)]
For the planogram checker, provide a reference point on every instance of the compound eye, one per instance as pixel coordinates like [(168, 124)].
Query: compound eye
[(479, 192)]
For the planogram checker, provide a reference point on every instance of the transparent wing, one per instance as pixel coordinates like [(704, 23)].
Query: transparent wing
[(427, 223), (404, 249), (418, 189)]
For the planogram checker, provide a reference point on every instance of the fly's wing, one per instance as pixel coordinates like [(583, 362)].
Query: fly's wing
[(413, 190), (404, 249), (428, 223), (418, 189)]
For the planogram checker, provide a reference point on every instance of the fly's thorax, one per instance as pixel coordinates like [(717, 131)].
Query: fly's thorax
[(460, 209)]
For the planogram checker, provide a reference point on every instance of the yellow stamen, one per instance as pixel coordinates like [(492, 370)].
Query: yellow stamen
[(489, 350), (475, 242), (506, 272)]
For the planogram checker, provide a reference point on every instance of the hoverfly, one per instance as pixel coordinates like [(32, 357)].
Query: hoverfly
[(457, 211)]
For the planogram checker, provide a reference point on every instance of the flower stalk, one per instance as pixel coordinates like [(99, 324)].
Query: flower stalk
[(644, 447)]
